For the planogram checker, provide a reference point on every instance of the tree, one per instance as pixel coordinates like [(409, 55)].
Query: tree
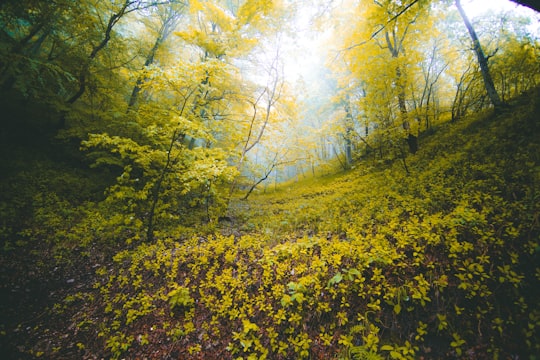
[(424, 89), (482, 59), (257, 125), (383, 56), (271, 165), (514, 66), (38, 41), (465, 94), (162, 176), (395, 36), (175, 157), (168, 18), (280, 146), (128, 6)]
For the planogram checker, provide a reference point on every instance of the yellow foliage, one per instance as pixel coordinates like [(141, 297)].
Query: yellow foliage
[(374, 260)]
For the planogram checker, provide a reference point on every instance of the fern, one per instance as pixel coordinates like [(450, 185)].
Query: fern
[(361, 353)]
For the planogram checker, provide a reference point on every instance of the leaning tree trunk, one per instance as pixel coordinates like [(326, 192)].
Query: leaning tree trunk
[(482, 60)]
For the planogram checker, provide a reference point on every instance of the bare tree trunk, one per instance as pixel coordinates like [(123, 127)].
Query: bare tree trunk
[(482, 60), (257, 183), (343, 164), (157, 189)]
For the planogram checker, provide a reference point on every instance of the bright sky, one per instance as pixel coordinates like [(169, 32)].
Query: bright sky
[(303, 54), (477, 7)]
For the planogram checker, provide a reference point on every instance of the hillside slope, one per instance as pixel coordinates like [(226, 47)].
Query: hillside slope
[(370, 264)]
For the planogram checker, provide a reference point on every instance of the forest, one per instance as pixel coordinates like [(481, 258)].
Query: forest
[(270, 179)]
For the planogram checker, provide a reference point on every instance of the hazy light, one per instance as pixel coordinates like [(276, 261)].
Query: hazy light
[(475, 8)]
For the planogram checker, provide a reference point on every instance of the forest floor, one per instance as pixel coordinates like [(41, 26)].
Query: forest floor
[(372, 263)]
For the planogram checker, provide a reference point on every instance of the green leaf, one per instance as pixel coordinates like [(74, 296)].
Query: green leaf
[(336, 279), (354, 272), (298, 297)]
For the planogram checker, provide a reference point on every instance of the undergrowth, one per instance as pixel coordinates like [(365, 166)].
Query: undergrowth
[(369, 264)]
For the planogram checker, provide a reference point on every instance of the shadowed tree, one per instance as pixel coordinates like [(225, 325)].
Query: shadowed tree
[(127, 7)]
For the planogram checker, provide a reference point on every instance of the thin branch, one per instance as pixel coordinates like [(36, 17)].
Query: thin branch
[(383, 26), (273, 165), (248, 147)]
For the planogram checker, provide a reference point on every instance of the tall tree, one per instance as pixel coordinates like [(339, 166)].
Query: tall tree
[(40, 45), (117, 14), (425, 88), (168, 18), (482, 59), (383, 56)]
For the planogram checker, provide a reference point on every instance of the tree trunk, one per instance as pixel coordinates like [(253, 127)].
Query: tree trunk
[(482, 60), (7, 78), (149, 61), (348, 134), (395, 45), (85, 69), (168, 25)]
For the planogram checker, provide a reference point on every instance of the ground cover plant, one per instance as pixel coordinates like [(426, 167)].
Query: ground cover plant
[(253, 179), (372, 263)]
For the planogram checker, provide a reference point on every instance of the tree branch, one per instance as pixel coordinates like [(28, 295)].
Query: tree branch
[(383, 26)]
